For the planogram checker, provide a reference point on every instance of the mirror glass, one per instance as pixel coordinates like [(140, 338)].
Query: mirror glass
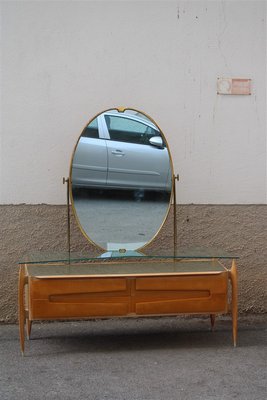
[(121, 180)]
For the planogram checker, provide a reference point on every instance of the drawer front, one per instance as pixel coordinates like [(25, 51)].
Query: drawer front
[(56, 298), (78, 298), (215, 282), (42, 288), (181, 294)]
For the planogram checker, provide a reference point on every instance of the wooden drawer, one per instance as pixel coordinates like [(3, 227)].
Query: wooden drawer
[(78, 298), (215, 282), (181, 294), (55, 298)]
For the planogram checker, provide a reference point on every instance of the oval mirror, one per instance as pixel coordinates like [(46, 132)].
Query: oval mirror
[(121, 180)]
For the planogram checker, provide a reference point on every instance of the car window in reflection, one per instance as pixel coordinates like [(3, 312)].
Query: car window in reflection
[(91, 131), (128, 130)]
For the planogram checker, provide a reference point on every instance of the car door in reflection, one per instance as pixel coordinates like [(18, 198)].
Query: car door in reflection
[(133, 161)]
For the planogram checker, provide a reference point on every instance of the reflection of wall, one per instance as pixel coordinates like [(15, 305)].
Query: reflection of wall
[(65, 61), (62, 62), (238, 228)]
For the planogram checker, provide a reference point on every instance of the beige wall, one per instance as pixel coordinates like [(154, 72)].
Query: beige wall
[(64, 61)]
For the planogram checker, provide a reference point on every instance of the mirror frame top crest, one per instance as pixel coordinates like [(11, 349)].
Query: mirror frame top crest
[(86, 234)]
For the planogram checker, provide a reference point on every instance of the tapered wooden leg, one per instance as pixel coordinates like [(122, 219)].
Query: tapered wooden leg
[(233, 278), (29, 328), (21, 307), (212, 321)]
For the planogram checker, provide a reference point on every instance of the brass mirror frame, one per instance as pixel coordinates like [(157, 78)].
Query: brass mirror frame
[(70, 195)]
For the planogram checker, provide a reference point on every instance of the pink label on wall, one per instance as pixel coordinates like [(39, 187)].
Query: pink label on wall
[(234, 86), (241, 86)]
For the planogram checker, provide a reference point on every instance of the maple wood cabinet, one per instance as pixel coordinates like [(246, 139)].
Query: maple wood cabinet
[(54, 291)]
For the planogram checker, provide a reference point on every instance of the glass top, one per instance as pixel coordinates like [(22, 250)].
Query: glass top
[(122, 255), (167, 267)]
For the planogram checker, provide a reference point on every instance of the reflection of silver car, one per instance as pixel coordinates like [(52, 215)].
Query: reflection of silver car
[(121, 151)]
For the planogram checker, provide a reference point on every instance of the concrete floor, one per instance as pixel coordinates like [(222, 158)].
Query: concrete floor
[(130, 220), (144, 359)]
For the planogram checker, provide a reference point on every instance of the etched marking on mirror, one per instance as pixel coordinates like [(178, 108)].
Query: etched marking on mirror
[(121, 180)]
